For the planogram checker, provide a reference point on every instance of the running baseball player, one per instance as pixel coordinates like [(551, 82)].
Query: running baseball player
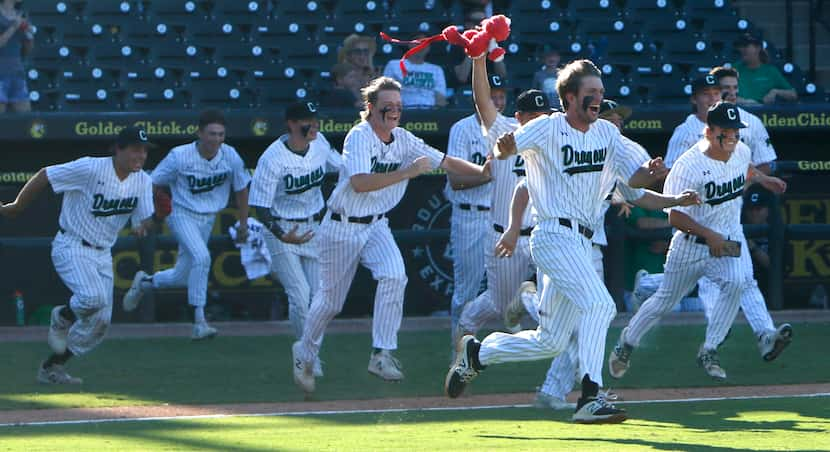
[(709, 239), (572, 162), (471, 202), (379, 158), (200, 176), (99, 196), (705, 93), (286, 194), (504, 276)]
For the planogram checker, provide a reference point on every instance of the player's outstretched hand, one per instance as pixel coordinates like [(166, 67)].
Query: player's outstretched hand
[(688, 198), (297, 239), (419, 166), (773, 184), (625, 209), (657, 169), (507, 242), (506, 145), (9, 210)]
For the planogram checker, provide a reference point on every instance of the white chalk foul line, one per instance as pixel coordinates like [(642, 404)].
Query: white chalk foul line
[(383, 410)]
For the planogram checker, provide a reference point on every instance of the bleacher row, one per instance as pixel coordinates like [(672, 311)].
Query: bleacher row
[(126, 55)]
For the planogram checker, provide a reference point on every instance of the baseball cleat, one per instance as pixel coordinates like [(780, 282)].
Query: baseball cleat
[(58, 330), (597, 410), (56, 374), (516, 309), (709, 360), (551, 402), (303, 372), (620, 358), (203, 331), (135, 293), (462, 371), (772, 344), (385, 366)]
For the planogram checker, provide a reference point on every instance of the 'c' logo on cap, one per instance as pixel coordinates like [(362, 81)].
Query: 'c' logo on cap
[(731, 114), (142, 135), (497, 80), (710, 79), (539, 100), (311, 107), (754, 197)]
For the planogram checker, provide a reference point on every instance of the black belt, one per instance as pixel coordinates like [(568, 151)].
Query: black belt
[(696, 238), (582, 229), (465, 206), (84, 242), (500, 229), (316, 217), (362, 220)]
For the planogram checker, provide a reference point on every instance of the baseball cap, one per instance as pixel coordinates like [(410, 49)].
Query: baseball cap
[(706, 81), (301, 110), (496, 81), (609, 106), (133, 135), (747, 39), (725, 115), (531, 101), (758, 196)]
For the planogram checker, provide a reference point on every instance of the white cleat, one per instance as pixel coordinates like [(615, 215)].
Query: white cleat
[(202, 331), (547, 401), (385, 366), (58, 330), (303, 372), (773, 343), (133, 296), (709, 360), (57, 375)]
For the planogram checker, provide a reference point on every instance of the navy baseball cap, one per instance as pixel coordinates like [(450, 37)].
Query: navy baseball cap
[(533, 100), (725, 115), (133, 135), (706, 81), (758, 196), (609, 106), (497, 81), (301, 110)]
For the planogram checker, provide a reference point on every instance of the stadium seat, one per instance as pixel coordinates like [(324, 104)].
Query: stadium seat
[(307, 11), (423, 9), (150, 95), (57, 55), (175, 54), (545, 31), (277, 93), (147, 34), (110, 12), (538, 8), (215, 33), (223, 94), (55, 13), (241, 11), (362, 11), (593, 9), (116, 53), (85, 96), (177, 10)]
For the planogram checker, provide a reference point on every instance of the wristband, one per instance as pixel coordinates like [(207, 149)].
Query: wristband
[(442, 159)]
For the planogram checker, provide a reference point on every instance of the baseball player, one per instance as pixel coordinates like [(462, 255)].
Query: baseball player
[(471, 202), (378, 159), (99, 196), (709, 239), (286, 194), (200, 176), (771, 340), (705, 93), (572, 162)]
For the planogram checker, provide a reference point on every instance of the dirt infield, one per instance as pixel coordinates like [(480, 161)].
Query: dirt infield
[(167, 411)]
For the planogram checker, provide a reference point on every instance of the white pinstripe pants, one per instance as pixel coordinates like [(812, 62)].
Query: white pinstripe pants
[(342, 246), (686, 263), (297, 268), (504, 276), (192, 231), (572, 294), (468, 238), (87, 272)]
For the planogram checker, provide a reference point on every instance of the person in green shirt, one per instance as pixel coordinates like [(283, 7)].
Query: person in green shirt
[(760, 82)]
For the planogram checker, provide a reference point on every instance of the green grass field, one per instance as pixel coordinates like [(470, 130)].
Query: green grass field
[(257, 369)]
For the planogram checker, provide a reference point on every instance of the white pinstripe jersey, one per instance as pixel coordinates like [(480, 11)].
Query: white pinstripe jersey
[(96, 203), (506, 175), (720, 185), (625, 193), (198, 184), (289, 183), (570, 172), (466, 142), (690, 132), (365, 153)]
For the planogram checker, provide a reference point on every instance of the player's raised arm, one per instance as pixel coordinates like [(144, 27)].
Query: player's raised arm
[(27, 194), (485, 107), (652, 200), (771, 183)]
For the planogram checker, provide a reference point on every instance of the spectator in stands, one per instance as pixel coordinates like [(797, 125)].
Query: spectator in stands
[(464, 69), (756, 211), (16, 41), (760, 81), (545, 79), (360, 51), (346, 90), (424, 85)]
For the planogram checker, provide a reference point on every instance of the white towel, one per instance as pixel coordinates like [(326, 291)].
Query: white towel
[(253, 253)]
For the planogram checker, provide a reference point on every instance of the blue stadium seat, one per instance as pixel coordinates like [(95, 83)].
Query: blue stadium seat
[(362, 11), (147, 34), (437, 10), (538, 8), (314, 11), (222, 93), (110, 12), (241, 11), (215, 33), (174, 53), (593, 9), (57, 55), (55, 13), (154, 96), (277, 93), (117, 53), (177, 10)]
